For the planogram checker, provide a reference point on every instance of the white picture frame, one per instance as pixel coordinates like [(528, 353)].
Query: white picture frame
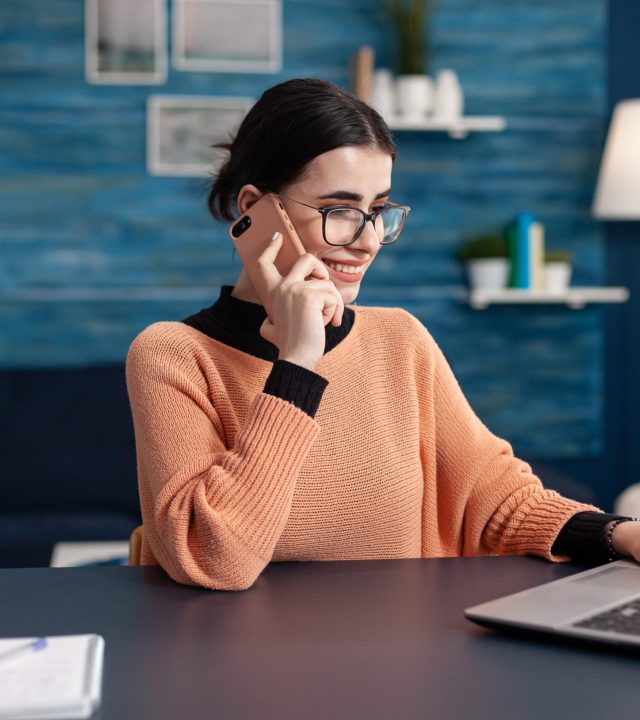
[(126, 42), (227, 35), (181, 130)]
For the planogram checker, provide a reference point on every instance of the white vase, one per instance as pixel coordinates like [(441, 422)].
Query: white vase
[(557, 276), (414, 96), (383, 93), (488, 273), (448, 96)]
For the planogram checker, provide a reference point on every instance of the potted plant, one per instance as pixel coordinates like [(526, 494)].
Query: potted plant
[(414, 89), (557, 270), (487, 260)]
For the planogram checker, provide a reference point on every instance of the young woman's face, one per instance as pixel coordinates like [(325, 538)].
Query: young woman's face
[(354, 176)]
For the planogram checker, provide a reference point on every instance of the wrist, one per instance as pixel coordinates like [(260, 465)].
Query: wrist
[(299, 360), (624, 536)]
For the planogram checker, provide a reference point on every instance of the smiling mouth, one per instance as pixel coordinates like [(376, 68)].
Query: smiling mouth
[(345, 269)]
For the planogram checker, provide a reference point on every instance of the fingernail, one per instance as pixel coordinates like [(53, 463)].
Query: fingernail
[(275, 236)]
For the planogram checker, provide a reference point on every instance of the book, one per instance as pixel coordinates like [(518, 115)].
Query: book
[(536, 255), (525, 237), (52, 677), (76, 554)]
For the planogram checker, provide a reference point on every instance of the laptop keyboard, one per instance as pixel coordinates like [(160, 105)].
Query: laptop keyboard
[(622, 619)]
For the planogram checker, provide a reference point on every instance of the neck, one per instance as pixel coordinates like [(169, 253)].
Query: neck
[(244, 290)]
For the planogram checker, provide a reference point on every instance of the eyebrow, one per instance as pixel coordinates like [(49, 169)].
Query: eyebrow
[(346, 195)]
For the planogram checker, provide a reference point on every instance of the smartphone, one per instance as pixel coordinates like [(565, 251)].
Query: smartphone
[(251, 234)]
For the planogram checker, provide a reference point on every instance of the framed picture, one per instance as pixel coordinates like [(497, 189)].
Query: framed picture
[(227, 35), (181, 130), (126, 42)]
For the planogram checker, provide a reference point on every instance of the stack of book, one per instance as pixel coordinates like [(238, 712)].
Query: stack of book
[(525, 236)]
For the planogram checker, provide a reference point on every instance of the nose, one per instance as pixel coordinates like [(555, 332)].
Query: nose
[(368, 239)]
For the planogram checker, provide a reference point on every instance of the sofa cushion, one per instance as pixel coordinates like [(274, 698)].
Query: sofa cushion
[(66, 441)]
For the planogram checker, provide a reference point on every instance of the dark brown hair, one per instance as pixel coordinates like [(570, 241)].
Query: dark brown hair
[(290, 125)]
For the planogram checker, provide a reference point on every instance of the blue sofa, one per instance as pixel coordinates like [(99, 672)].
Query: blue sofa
[(68, 460)]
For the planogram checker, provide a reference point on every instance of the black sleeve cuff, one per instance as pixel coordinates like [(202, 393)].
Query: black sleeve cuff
[(583, 538), (297, 385)]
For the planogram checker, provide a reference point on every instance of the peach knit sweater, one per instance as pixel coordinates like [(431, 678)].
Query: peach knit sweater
[(395, 463)]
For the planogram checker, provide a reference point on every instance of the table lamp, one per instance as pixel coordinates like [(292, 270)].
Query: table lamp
[(617, 194)]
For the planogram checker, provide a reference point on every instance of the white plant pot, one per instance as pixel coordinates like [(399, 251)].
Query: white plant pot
[(557, 276), (488, 273), (414, 96)]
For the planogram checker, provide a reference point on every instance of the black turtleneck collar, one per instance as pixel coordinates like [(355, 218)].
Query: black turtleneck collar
[(237, 323)]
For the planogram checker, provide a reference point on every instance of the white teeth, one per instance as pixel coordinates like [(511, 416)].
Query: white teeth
[(349, 269)]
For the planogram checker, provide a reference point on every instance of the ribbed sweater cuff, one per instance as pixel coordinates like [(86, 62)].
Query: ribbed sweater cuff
[(530, 525), (583, 538), (297, 385)]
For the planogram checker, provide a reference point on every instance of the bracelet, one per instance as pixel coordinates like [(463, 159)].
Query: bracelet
[(613, 555)]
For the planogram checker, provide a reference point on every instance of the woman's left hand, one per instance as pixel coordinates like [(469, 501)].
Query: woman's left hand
[(626, 539)]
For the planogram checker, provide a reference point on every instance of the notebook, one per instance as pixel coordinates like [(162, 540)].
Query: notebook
[(52, 677), (598, 605)]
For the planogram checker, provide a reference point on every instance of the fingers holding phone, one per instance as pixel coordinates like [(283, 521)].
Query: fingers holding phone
[(303, 302), (314, 274), (292, 284)]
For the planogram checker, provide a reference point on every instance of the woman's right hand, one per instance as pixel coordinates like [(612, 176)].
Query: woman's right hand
[(301, 308)]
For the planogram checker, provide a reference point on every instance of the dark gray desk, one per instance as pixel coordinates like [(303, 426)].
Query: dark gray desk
[(383, 639)]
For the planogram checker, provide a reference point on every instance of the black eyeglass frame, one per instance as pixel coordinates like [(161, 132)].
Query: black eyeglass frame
[(324, 211)]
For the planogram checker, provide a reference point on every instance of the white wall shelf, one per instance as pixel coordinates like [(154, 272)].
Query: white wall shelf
[(457, 129), (575, 297)]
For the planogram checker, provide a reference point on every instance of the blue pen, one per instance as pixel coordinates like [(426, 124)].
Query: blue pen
[(24, 650)]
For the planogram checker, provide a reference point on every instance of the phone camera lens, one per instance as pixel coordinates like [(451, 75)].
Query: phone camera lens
[(241, 226)]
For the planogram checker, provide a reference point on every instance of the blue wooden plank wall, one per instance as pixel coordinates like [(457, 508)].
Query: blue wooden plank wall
[(94, 249)]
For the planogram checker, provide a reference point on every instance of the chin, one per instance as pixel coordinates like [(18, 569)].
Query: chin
[(349, 294)]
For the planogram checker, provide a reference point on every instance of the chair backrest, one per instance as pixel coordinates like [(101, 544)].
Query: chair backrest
[(135, 546)]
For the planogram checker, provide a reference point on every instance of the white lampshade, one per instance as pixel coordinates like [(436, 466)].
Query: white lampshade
[(618, 190)]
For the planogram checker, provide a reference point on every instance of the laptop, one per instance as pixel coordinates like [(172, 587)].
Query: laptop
[(601, 605)]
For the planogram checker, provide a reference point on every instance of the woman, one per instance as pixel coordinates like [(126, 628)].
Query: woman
[(327, 431)]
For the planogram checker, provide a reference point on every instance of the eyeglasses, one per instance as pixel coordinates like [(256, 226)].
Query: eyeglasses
[(343, 224)]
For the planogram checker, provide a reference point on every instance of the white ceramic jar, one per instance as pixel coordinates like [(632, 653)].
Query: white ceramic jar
[(383, 93), (414, 96), (449, 99)]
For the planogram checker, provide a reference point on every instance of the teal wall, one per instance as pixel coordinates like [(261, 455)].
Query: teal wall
[(93, 249)]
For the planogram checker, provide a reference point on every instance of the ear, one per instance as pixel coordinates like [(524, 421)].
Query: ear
[(248, 195)]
